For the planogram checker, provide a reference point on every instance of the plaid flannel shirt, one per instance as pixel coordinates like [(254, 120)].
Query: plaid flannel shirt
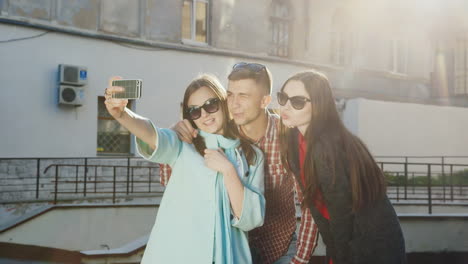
[(308, 232)]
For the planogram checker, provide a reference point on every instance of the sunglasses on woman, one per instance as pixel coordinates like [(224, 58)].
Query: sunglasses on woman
[(297, 102), (210, 106)]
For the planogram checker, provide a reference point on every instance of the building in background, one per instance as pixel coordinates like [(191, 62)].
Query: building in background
[(389, 51), (399, 71)]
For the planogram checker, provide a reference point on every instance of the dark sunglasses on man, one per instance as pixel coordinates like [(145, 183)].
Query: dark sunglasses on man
[(297, 102), (210, 106), (255, 67)]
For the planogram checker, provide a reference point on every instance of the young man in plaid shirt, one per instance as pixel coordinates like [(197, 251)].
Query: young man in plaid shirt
[(249, 93)]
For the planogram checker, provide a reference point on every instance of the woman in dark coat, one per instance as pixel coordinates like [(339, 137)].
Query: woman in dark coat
[(337, 176)]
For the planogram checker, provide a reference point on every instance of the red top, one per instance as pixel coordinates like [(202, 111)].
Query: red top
[(302, 154), (319, 204)]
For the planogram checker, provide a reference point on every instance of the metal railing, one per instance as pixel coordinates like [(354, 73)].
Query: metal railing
[(426, 182), (50, 180), (129, 183)]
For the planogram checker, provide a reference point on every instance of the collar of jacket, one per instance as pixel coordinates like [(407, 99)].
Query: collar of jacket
[(215, 141)]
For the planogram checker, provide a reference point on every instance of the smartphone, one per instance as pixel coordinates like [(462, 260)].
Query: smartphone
[(132, 89)]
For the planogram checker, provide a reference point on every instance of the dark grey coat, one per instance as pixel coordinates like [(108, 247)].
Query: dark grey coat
[(371, 235)]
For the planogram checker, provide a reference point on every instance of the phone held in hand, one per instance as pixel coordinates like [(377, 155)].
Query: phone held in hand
[(132, 89)]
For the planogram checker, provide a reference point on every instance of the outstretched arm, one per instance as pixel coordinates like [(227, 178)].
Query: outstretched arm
[(137, 125)]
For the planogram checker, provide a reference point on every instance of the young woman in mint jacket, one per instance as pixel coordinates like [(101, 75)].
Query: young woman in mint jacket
[(215, 194)]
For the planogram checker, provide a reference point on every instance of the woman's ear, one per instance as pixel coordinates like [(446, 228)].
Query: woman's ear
[(266, 100)]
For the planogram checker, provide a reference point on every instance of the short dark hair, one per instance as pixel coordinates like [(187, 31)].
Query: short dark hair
[(255, 71)]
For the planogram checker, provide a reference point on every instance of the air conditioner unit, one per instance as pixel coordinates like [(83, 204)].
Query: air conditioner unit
[(73, 75), (71, 95)]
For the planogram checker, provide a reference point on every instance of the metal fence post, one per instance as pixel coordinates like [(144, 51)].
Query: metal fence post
[(133, 179), (461, 185), (398, 186), (429, 183), (443, 178), (38, 173), (128, 175), (95, 179), (56, 184), (451, 182), (406, 178), (149, 180), (85, 177), (113, 191)]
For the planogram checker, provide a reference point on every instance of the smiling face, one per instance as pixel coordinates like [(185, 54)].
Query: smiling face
[(207, 122), (246, 101), (292, 117)]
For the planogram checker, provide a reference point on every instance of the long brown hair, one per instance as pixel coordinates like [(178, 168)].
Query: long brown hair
[(229, 127), (330, 142)]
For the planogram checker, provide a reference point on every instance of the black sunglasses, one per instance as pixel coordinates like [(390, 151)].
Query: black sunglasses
[(297, 102), (255, 67), (210, 106)]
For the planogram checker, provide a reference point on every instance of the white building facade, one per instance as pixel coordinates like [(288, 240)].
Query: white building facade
[(413, 92)]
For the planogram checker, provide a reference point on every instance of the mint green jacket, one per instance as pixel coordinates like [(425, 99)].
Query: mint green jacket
[(194, 223)]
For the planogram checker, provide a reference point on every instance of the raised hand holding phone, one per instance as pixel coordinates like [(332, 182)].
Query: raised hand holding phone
[(132, 88), (137, 125), (115, 106)]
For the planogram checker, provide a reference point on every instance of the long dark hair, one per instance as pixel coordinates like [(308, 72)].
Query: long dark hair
[(230, 129), (330, 142)]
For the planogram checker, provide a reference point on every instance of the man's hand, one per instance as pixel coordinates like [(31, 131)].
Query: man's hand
[(185, 131)]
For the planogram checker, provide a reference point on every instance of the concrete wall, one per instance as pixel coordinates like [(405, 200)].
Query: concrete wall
[(400, 129), (435, 233), (89, 228), (82, 228)]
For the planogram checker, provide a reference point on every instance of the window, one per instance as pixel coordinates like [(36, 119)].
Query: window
[(338, 48), (280, 28), (80, 14), (112, 138), (194, 20), (120, 17), (398, 56), (461, 67), (340, 39), (3, 6)]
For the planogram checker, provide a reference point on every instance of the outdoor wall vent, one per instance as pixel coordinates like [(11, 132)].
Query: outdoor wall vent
[(71, 95), (73, 75), (72, 84)]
